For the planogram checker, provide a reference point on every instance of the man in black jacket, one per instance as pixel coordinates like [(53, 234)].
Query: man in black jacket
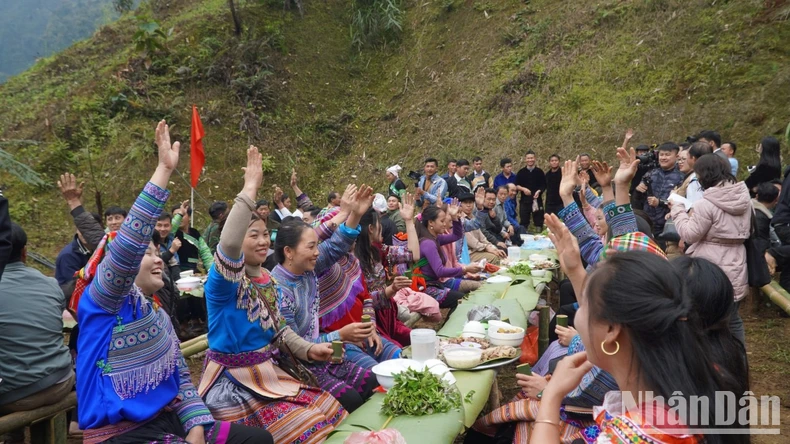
[(531, 182), (764, 203)]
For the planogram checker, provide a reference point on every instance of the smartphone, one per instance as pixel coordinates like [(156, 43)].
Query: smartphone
[(524, 369)]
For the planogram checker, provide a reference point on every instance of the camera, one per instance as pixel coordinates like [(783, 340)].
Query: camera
[(415, 176), (648, 161)]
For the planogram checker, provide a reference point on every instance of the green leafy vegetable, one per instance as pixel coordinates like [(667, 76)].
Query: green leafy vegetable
[(420, 393), (469, 396), (519, 268)]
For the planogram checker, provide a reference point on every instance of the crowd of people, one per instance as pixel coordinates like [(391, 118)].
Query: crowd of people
[(655, 254)]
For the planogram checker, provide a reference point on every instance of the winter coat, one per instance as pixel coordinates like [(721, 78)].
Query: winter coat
[(717, 228)]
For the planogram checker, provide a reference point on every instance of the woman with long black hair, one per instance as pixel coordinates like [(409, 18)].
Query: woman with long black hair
[(769, 167), (637, 322)]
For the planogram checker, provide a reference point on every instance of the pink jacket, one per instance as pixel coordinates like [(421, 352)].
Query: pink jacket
[(717, 228)]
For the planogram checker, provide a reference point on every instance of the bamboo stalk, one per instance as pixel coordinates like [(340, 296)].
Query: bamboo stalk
[(777, 295), (386, 423), (194, 340), (195, 348), (543, 330)]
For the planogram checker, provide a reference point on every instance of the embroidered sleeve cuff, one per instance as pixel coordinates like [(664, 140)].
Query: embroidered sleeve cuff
[(155, 192), (563, 212), (577, 224), (350, 232), (328, 337), (231, 269), (621, 219), (194, 414)]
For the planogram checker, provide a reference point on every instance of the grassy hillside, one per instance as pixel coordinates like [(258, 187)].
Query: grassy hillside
[(487, 77)]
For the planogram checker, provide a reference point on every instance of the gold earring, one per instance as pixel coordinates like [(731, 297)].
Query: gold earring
[(617, 348)]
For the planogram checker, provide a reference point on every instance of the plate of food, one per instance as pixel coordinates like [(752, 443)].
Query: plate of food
[(460, 355), (547, 264), (499, 279)]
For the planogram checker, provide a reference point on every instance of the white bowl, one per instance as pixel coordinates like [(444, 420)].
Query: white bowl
[(538, 273), (385, 372), (188, 283), (474, 327), (538, 257), (511, 339), (527, 237), (186, 273), (463, 358), (493, 324)]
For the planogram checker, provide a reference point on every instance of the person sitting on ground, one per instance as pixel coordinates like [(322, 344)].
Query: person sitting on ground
[(376, 257), (431, 189), (75, 254), (659, 183), (389, 228), (248, 336), (396, 185), (512, 232), (506, 176), (301, 260), (478, 246), (113, 218), (193, 251), (133, 384), (217, 211), (510, 205), (35, 364), (490, 223), (719, 225), (432, 236)]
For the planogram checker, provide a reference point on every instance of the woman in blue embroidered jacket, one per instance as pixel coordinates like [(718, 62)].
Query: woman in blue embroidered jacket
[(133, 384), (244, 380), (300, 260)]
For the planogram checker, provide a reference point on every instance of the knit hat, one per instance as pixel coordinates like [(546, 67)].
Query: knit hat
[(379, 203), (394, 169), (636, 241)]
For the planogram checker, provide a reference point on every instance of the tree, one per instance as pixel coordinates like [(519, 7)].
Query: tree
[(236, 19)]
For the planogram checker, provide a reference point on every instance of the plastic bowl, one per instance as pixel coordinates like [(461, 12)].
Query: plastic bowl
[(386, 371), (188, 283), (538, 273), (186, 274), (511, 339), (475, 327), (463, 358)]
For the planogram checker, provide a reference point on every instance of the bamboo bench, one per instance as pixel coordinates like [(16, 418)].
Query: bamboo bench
[(48, 424)]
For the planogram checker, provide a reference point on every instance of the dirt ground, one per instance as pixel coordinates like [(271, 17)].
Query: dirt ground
[(767, 331)]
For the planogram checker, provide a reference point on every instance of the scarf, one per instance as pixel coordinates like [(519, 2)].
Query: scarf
[(86, 274)]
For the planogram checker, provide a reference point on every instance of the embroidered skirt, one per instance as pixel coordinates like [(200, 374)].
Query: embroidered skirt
[(339, 378), (366, 358), (307, 417), (167, 429)]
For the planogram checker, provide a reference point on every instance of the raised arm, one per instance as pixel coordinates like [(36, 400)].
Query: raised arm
[(91, 230), (5, 234), (345, 235), (603, 174), (303, 201), (407, 214), (117, 271)]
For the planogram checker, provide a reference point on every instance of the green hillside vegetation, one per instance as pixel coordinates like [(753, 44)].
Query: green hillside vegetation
[(462, 78)]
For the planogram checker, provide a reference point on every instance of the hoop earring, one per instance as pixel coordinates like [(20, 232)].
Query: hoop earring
[(617, 348)]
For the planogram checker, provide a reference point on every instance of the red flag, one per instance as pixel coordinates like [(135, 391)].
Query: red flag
[(197, 156)]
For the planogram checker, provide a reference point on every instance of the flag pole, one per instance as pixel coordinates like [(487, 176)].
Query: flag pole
[(192, 206)]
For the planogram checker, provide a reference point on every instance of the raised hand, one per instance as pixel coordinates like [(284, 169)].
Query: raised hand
[(253, 172), (70, 191), (629, 134), (364, 200), (454, 208), (565, 243), (293, 177), (407, 207), (570, 179), (628, 167), (349, 198), (168, 154), (603, 173), (480, 197)]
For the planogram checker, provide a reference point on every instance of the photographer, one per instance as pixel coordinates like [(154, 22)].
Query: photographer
[(647, 162), (659, 183)]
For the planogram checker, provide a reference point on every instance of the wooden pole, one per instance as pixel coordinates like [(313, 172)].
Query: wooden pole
[(543, 330), (17, 420), (195, 348), (192, 341)]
